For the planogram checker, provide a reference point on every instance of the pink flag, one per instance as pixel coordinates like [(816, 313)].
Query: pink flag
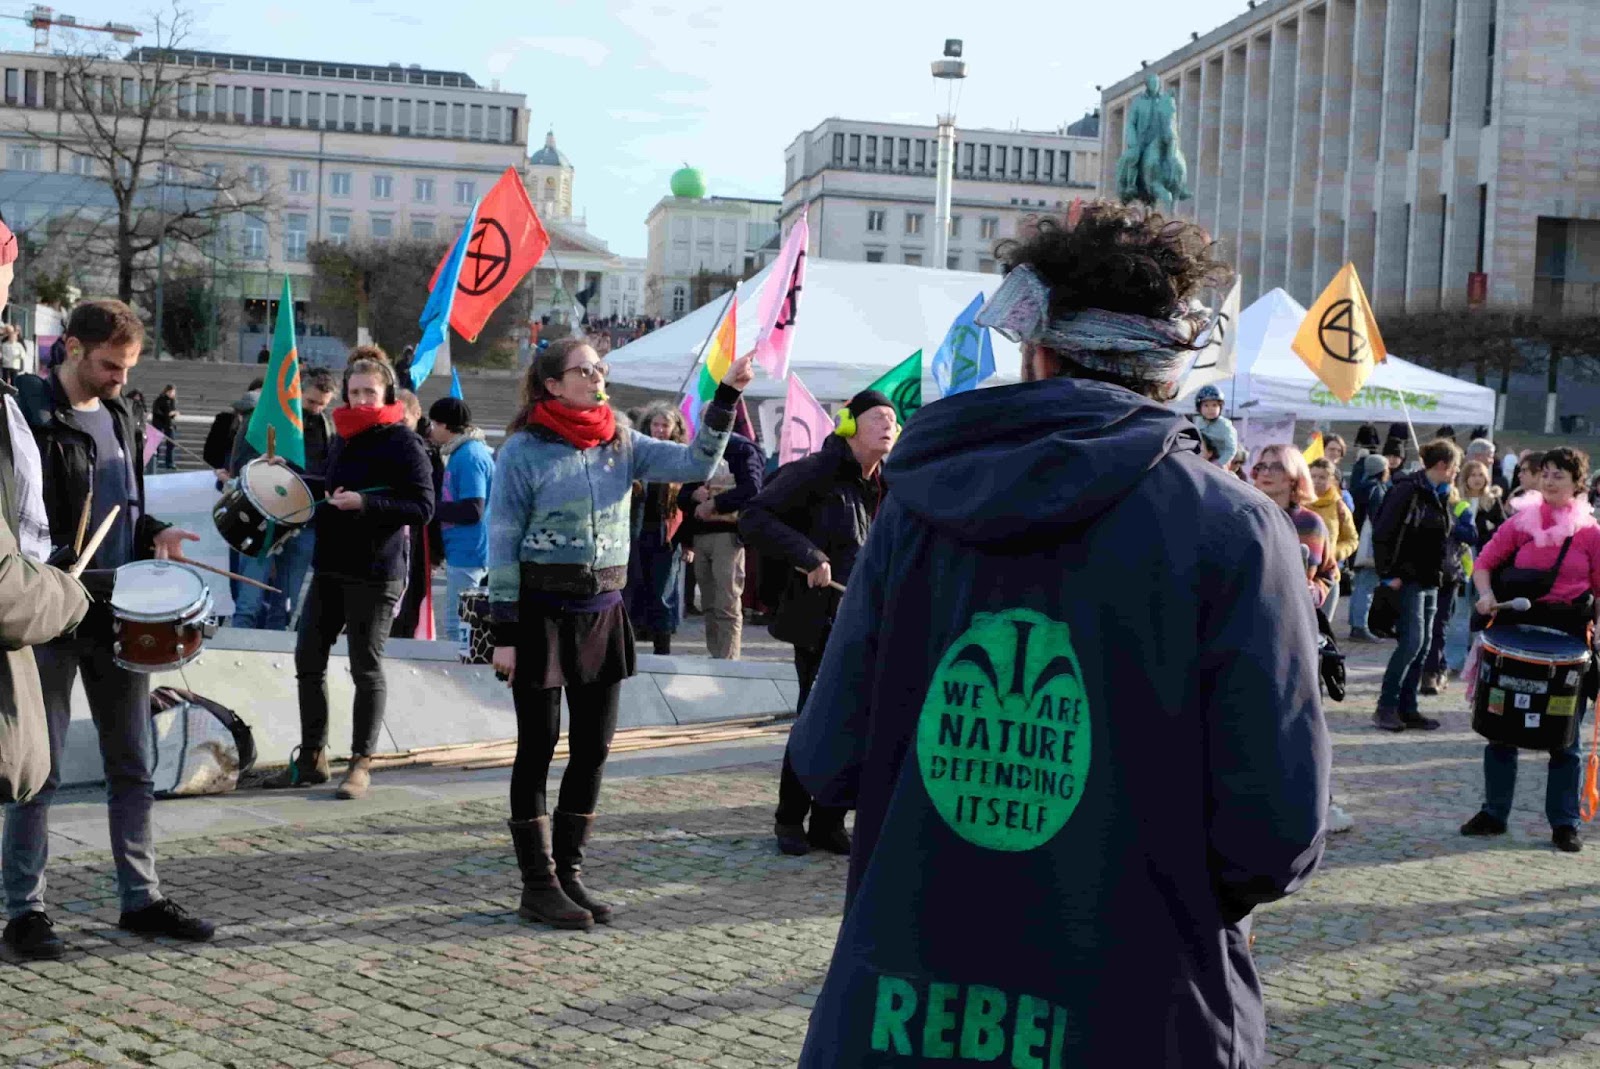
[(780, 301), (805, 423), (152, 441), (690, 415)]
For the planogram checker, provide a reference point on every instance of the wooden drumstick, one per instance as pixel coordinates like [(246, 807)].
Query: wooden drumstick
[(231, 575), (94, 542), (272, 442), (834, 586), (83, 523)]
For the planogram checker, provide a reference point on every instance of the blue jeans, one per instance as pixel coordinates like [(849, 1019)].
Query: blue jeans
[(285, 570), (1457, 636), (1362, 585), (456, 582), (1560, 789), (1400, 679), (119, 702)]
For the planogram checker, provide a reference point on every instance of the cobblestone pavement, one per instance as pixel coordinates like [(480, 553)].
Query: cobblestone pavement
[(388, 939)]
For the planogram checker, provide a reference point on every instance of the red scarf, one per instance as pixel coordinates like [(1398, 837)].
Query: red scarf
[(350, 422), (583, 428)]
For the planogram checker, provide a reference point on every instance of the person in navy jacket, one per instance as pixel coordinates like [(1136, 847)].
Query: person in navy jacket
[(1071, 695)]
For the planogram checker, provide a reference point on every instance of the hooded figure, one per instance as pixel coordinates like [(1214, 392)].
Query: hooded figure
[(1080, 750)]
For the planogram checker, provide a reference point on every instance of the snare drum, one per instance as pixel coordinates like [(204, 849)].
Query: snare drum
[(263, 508), (1530, 681), (161, 616), (474, 610)]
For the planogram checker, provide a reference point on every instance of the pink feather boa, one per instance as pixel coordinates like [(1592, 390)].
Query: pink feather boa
[(1547, 526)]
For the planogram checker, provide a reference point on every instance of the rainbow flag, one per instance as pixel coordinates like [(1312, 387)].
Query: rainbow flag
[(724, 345)]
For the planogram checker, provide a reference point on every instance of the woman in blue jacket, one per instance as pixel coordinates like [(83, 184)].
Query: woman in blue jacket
[(559, 531)]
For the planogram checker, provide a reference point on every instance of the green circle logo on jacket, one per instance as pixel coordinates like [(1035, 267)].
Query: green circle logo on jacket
[(1003, 741)]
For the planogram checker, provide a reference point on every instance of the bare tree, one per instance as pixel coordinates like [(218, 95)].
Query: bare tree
[(131, 123)]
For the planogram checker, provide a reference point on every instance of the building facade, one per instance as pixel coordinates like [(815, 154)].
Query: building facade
[(345, 152), (700, 247), (1447, 148), (869, 188)]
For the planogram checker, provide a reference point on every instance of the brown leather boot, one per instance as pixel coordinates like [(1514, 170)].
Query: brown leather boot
[(356, 779), (307, 768), (543, 900), (571, 831)]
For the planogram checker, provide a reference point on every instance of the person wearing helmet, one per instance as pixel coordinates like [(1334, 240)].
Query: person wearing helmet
[(1215, 428)]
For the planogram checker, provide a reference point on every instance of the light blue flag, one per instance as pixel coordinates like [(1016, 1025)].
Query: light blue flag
[(455, 385), (966, 357), (435, 320)]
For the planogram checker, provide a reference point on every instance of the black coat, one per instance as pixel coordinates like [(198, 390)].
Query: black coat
[(747, 466), (1410, 532), (815, 510), (389, 466)]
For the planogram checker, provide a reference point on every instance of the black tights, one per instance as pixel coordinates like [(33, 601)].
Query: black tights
[(593, 722)]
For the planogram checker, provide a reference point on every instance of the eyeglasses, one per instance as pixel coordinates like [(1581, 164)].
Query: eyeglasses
[(590, 371), (1271, 467)]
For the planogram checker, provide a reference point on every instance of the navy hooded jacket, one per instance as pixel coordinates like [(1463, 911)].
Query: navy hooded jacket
[(1072, 696)]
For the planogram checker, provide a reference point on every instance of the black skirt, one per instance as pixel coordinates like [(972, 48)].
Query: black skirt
[(562, 649)]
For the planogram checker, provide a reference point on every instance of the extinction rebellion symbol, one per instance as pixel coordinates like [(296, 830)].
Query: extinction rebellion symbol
[(1338, 333), (488, 259)]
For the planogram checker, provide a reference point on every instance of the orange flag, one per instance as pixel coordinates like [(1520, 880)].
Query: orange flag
[(507, 241), (1339, 339), (1313, 449)]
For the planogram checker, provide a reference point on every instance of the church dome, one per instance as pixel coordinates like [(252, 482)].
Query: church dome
[(688, 182), (550, 156)]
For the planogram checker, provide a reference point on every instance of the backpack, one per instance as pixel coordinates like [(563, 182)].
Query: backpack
[(219, 439), (201, 747)]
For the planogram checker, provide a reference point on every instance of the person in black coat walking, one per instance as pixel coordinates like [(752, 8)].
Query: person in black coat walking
[(719, 555), (813, 518)]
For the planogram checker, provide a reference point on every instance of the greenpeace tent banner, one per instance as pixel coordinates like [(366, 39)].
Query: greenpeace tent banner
[(1339, 339), (780, 304), (279, 407), (1272, 381), (1218, 361), (507, 241), (805, 423)]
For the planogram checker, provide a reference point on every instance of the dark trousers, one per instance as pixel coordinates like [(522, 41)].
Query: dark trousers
[(1434, 662), (593, 722), (364, 610), (794, 801)]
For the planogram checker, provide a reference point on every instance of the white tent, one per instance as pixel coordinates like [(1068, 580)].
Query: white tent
[(856, 321), (1273, 381)]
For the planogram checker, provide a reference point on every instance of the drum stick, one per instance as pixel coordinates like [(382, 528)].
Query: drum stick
[(833, 586), (272, 442), (94, 542), (231, 575), (1514, 605), (83, 523)]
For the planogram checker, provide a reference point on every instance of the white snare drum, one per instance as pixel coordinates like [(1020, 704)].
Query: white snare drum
[(263, 508), (161, 613)]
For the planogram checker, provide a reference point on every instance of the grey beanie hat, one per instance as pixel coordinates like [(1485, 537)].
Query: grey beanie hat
[(1372, 464)]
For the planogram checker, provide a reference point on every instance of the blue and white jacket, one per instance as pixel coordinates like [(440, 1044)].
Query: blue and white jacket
[(559, 517)]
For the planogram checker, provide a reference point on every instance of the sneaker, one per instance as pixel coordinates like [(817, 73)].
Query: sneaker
[(833, 840), (1566, 839), (1361, 634), (32, 937), (1418, 722), (167, 918), (792, 839), (1483, 824), (1338, 819), (1387, 720)]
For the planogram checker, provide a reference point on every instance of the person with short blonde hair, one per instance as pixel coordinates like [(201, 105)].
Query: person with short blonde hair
[(1282, 474)]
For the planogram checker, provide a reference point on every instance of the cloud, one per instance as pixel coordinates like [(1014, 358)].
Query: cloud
[(586, 50)]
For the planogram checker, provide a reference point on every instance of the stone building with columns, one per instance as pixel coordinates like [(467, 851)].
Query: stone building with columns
[(1448, 148)]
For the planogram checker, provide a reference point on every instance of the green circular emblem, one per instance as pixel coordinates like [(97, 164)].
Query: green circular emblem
[(1003, 741)]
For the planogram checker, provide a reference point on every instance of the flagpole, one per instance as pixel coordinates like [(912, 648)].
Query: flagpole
[(1412, 427), (701, 352)]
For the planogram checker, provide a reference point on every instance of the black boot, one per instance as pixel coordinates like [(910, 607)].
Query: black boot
[(571, 832), (543, 899), (664, 644), (307, 768)]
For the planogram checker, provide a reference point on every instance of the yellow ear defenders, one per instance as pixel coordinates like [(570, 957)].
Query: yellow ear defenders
[(844, 424)]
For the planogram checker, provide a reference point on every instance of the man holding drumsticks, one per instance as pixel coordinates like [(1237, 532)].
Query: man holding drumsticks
[(89, 449)]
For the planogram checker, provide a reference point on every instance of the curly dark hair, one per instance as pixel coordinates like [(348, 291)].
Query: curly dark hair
[(1575, 462), (1118, 257)]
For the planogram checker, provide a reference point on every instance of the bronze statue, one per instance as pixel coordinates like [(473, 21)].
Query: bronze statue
[(1152, 168)]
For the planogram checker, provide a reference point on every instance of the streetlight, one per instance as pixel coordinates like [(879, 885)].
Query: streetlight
[(951, 70)]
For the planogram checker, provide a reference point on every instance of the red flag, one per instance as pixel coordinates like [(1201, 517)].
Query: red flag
[(507, 241)]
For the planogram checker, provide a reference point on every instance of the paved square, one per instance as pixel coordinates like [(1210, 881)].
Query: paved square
[(381, 938)]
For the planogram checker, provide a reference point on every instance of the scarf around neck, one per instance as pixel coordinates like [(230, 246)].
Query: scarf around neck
[(471, 434), (582, 428), (350, 422), (1547, 526)]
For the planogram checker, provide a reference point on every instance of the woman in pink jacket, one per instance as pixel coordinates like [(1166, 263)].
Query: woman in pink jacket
[(1533, 538)]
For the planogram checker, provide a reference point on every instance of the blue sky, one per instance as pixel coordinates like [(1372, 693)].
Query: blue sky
[(633, 88)]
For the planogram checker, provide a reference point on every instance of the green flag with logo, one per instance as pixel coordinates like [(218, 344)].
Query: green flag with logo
[(279, 407), (902, 384)]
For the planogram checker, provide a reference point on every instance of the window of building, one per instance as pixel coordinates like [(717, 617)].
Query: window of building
[(258, 105), (256, 175), (130, 94), (369, 115), (986, 265), (339, 184), (352, 107), (983, 161), (988, 228), (382, 187), (294, 236), (905, 154), (314, 110), (912, 259), (255, 238), (402, 121), (874, 256), (213, 171), (1033, 164), (855, 150), (1016, 161), (13, 86), (955, 227), (680, 300), (1488, 92), (382, 229), (838, 150), (870, 158), (422, 229), (922, 155), (441, 119), (241, 104), (458, 120), (82, 165), (277, 106), (492, 128), (875, 218), (202, 101), (953, 261), (338, 229), (25, 158), (967, 152), (475, 122), (424, 190), (1049, 174), (299, 181), (913, 222), (466, 191)]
